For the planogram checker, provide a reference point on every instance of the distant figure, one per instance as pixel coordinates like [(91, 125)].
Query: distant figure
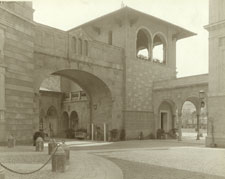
[(37, 134)]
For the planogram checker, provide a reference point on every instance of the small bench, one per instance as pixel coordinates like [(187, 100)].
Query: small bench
[(80, 135)]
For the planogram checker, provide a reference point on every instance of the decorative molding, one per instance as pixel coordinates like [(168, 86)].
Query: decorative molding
[(215, 26), (13, 13)]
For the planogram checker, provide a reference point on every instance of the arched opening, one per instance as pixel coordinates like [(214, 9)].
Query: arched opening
[(86, 48), (110, 37), (159, 49), (51, 122), (80, 46), (74, 120), (64, 124), (166, 120), (193, 115), (74, 45), (143, 44), (76, 92)]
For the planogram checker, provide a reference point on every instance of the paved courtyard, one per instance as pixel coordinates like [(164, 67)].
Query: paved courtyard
[(157, 159)]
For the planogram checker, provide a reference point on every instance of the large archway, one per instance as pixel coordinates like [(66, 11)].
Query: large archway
[(94, 90)]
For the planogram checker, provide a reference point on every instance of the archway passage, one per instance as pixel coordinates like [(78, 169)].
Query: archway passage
[(98, 94), (51, 122), (78, 92), (166, 120), (194, 119), (74, 121)]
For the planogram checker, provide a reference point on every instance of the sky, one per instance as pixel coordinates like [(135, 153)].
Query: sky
[(192, 53)]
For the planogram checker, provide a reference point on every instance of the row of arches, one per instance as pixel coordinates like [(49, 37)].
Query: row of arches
[(54, 125), (79, 46), (70, 121), (188, 118), (150, 47)]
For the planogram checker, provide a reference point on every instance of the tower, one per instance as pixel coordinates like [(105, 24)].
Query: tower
[(216, 95)]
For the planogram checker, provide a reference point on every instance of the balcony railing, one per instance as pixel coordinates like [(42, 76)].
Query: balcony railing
[(75, 96)]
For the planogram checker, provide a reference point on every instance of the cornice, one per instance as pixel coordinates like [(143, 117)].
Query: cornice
[(215, 26), (15, 14)]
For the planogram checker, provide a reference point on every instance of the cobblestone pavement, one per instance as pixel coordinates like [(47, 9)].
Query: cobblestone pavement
[(208, 161), (82, 165), (132, 144), (137, 170), (150, 159)]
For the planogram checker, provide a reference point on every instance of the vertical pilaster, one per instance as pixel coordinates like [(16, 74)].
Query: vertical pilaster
[(2, 85), (2, 93), (179, 126), (216, 95)]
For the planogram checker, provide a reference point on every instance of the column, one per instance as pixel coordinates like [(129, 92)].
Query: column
[(92, 131), (2, 104), (104, 127), (198, 115), (173, 121), (179, 126), (2, 93)]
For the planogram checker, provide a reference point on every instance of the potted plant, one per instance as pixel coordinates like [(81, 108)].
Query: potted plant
[(114, 134), (70, 133), (160, 134)]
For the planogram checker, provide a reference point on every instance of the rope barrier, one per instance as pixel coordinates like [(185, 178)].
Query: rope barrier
[(27, 173)]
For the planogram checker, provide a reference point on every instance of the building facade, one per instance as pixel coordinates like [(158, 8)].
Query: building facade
[(117, 71), (216, 94)]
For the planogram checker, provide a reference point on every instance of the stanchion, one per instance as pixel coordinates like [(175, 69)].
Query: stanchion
[(59, 160), (67, 151), (51, 146)]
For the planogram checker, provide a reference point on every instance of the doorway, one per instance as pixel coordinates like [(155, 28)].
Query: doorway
[(164, 119)]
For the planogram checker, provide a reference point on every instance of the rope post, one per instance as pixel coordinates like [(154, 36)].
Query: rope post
[(51, 146), (59, 160), (39, 144), (67, 151), (2, 173)]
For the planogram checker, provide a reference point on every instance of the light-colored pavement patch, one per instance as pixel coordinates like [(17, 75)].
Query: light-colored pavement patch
[(203, 160), (82, 166), (83, 143)]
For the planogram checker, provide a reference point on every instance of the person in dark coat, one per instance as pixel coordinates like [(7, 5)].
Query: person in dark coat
[(37, 134)]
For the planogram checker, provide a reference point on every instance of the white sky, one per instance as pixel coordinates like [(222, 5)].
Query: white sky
[(192, 53)]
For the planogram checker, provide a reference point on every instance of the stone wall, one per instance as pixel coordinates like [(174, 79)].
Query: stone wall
[(18, 59), (216, 94), (140, 75), (137, 122)]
